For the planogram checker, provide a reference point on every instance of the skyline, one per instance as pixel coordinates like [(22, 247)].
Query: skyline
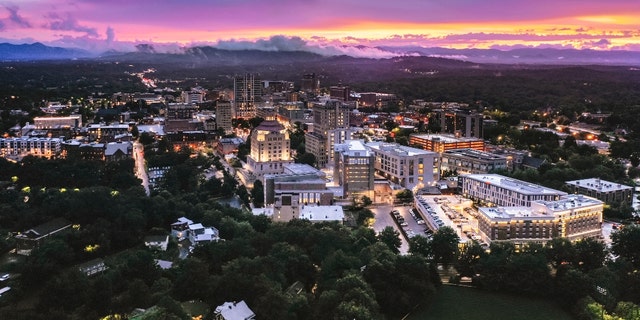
[(328, 27)]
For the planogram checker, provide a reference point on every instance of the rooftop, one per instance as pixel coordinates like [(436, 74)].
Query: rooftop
[(598, 185), (443, 138), (397, 149), (471, 153), (322, 213), (513, 184)]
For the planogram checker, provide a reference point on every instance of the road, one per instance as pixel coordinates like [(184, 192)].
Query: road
[(140, 169)]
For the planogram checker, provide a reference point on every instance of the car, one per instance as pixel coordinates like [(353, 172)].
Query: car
[(4, 277), (404, 224), (420, 221), (400, 219)]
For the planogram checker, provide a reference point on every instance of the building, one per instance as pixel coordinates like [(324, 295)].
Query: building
[(93, 267), (327, 119), (605, 191), (310, 83), (247, 91), (497, 190), (298, 185), (157, 242), (224, 115), (461, 123), (199, 234), (354, 169), (234, 311), (442, 142), (180, 227), (107, 133), (116, 151), (574, 217), (228, 145), (342, 93), (192, 96), (409, 167), (465, 161), (72, 121), (34, 237), (23, 146), (270, 149), (316, 213)]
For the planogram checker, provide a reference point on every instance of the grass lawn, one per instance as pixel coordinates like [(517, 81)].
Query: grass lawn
[(453, 302)]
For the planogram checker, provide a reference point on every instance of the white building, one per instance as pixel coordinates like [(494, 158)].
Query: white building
[(406, 166), (497, 190), (38, 147), (234, 311), (354, 169), (574, 217), (270, 149), (315, 213)]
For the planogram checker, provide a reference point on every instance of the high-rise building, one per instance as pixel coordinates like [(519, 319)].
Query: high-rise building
[(247, 91), (224, 114), (270, 148), (328, 118), (310, 83), (460, 123), (354, 169)]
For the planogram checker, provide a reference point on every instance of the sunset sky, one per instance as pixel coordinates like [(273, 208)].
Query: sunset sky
[(502, 24)]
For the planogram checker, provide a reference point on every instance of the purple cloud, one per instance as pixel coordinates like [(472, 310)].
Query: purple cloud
[(68, 23)]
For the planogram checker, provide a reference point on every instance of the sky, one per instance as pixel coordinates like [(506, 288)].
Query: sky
[(323, 25)]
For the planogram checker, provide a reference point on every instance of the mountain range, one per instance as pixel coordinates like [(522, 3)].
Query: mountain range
[(546, 56)]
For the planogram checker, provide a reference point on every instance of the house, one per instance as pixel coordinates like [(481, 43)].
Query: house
[(197, 234), (116, 151), (33, 238), (157, 242), (164, 264), (92, 267), (234, 311), (179, 228)]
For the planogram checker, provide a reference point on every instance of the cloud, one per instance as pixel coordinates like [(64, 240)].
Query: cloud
[(68, 23), (16, 19), (111, 35)]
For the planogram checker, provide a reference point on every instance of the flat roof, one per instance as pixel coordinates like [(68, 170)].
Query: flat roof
[(571, 201), (322, 213), (512, 213), (472, 153), (397, 149), (301, 168), (598, 185), (350, 147), (444, 138), (513, 184)]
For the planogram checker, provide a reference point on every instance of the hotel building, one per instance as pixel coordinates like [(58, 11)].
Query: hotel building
[(270, 149)]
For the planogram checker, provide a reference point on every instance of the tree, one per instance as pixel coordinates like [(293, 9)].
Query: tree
[(590, 254), (560, 251), (405, 196), (391, 238), (444, 245), (306, 158), (626, 244), (468, 259), (257, 194)]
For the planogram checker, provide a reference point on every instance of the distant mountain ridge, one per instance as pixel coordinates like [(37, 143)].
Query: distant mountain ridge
[(548, 56), (39, 51)]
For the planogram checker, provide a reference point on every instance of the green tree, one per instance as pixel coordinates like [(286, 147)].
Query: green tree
[(257, 194), (626, 244), (391, 238), (444, 245)]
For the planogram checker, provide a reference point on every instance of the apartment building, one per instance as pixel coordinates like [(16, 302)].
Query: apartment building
[(574, 217), (38, 147), (406, 166), (465, 161), (497, 190), (606, 191)]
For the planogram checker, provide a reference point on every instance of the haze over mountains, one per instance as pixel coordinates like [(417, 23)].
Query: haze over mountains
[(547, 56)]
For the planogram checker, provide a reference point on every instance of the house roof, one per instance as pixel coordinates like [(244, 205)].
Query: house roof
[(91, 264), (151, 239), (46, 228), (182, 220), (235, 311), (114, 147)]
